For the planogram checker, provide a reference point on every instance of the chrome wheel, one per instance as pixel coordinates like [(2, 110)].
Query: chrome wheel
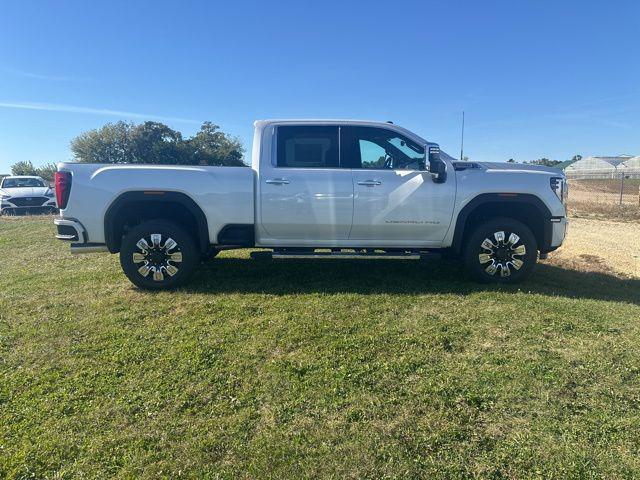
[(157, 258), (502, 253)]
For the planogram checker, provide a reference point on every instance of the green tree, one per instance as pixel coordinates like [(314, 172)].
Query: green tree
[(23, 168), (210, 146), (156, 143), (108, 144), (47, 171), (544, 162)]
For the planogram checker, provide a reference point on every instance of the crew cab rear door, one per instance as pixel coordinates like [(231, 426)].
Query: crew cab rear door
[(396, 203), (305, 196)]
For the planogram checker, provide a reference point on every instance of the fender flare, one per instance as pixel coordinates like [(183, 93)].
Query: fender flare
[(111, 237), (513, 198)]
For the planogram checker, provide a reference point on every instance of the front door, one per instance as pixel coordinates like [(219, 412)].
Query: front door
[(306, 196), (395, 201)]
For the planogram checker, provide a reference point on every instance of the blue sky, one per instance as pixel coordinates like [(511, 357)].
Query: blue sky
[(536, 78)]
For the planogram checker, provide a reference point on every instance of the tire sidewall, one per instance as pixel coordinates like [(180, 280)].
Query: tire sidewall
[(486, 230), (190, 255)]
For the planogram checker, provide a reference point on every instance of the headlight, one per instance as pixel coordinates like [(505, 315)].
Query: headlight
[(559, 187), (49, 193)]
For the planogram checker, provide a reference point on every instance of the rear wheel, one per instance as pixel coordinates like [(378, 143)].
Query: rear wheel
[(158, 255), (502, 250)]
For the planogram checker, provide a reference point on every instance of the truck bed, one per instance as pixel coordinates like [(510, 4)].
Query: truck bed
[(225, 194)]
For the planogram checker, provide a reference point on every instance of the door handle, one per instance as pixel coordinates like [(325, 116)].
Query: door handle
[(370, 183), (278, 181)]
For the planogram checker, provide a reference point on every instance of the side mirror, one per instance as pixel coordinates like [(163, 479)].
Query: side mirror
[(437, 167)]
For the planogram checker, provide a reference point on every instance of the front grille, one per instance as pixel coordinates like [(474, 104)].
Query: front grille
[(29, 201)]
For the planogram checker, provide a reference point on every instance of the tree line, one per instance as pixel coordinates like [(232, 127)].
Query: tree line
[(150, 143), (26, 168), (548, 163)]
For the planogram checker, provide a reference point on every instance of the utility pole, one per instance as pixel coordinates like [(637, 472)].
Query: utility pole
[(462, 139)]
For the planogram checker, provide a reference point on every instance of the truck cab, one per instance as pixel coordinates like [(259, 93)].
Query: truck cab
[(348, 184)]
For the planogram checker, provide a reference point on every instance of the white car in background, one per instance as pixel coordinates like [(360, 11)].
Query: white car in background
[(26, 194)]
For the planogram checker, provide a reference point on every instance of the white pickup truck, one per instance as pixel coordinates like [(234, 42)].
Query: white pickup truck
[(316, 189)]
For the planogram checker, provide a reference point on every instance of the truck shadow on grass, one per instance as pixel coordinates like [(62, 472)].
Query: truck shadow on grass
[(369, 277)]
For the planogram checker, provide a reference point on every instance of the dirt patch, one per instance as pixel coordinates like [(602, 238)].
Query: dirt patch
[(600, 246), (607, 212), (610, 191)]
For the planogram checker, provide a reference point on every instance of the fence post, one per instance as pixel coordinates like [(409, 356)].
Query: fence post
[(621, 187)]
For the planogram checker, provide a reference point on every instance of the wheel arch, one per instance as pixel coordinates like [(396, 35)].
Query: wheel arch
[(526, 208), (133, 207)]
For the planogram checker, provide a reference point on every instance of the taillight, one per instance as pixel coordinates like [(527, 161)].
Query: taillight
[(63, 188)]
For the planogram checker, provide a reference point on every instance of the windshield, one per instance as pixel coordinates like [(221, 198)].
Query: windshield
[(22, 182)]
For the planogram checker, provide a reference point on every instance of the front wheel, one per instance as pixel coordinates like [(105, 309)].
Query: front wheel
[(501, 250), (158, 255)]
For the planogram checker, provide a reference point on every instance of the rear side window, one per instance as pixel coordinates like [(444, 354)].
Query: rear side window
[(307, 147)]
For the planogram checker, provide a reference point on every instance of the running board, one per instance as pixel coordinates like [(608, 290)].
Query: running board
[(88, 248), (348, 255)]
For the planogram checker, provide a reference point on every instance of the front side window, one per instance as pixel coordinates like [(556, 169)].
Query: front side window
[(381, 149), (307, 147)]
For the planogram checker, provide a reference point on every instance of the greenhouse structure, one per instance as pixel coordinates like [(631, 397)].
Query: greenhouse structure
[(605, 167)]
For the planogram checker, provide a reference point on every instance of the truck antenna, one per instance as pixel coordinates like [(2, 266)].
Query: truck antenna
[(462, 139)]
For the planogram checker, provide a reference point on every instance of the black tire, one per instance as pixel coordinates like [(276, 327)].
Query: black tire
[(509, 259), (175, 264)]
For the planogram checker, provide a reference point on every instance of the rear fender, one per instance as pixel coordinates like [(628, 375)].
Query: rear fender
[(113, 230)]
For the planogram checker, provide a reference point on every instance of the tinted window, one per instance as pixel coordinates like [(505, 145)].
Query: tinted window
[(379, 148), (308, 147), (372, 155)]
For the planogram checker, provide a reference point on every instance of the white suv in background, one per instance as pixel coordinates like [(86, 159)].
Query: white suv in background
[(26, 194)]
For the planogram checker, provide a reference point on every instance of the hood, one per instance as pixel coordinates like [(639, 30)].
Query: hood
[(25, 191), (506, 166)]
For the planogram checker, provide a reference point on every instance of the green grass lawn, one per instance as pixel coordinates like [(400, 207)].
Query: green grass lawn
[(298, 369)]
